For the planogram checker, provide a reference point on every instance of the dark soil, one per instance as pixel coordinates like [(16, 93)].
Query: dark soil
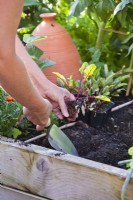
[(109, 143)]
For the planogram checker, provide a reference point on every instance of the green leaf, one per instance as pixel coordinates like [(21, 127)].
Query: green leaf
[(31, 2), (60, 141), (34, 51), (78, 6), (89, 70), (130, 49), (28, 38), (130, 151), (121, 85), (103, 98), (61, 77), (121, 6), (60, 83), (9, 113), (127, 38), (83, 67), (96, 56), (54, 119), (109, 78), (128, 177), (71, 82), (123, 162), (122, 78), (15, 132), (45, 63), (27, 29), (131, 163), (73, 8)]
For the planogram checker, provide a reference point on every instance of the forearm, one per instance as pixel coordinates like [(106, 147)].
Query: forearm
[(13, 74), (16, 82), (47, 89), (36, 75)]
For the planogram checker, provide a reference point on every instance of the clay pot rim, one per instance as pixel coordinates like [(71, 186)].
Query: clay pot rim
[(47, 15)]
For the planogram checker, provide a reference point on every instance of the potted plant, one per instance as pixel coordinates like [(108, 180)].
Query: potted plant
[(93, 92)]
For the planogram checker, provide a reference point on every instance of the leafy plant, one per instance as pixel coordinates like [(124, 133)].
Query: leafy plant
[(86, 27), (35, 52), (129, 164), (110, 23), (10, 111), (96, 85)]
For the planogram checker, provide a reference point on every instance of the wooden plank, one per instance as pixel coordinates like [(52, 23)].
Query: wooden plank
[(7, 193), (53, 175)]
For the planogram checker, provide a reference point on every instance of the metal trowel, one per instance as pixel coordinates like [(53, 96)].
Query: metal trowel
[(59, 141)]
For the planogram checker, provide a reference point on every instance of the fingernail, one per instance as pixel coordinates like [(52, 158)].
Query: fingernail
[(72, 97), (39, 128), (66, 114), (48, 123)]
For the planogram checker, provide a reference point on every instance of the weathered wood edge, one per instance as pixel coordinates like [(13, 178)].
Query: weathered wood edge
[(7, 193), (66, 157), (65, 176)]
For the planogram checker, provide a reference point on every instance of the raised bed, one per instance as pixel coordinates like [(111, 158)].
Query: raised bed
[(50, 174), (7, 193)]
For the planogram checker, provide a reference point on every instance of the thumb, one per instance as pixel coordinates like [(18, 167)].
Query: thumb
[(40, 127), (48, 122)]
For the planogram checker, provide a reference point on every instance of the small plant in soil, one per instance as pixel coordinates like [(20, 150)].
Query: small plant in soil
[(94, 90), (129, 164), (10, 111), (12, 122)]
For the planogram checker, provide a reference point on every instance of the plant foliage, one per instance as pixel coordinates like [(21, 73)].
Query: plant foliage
[(9, 113), (35, 52), (129, 164)]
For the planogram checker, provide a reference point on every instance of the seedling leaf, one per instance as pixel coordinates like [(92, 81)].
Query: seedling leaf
[(89, 70), (103, 98), (130, 151), (83, 67), (60, 76), (128, 177)]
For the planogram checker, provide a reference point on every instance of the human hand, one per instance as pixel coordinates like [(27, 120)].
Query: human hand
[(39, 116), (57, 96)]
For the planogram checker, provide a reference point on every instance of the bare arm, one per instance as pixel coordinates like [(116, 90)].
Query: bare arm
[(46, 88), (13, 75), (34, 72)]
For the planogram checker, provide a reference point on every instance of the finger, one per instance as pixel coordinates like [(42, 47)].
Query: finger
[(63, 108), (39, 127), (24, 110), (48, 122), (72, 97), (58, 113), (69, 96)]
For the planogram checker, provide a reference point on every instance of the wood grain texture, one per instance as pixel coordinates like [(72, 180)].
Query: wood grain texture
[(53, 175), (7, 193)]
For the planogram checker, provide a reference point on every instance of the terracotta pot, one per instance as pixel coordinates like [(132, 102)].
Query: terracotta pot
[(58, 47)]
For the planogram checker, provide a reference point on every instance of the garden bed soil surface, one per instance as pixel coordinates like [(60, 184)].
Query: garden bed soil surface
[(108, 144)]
